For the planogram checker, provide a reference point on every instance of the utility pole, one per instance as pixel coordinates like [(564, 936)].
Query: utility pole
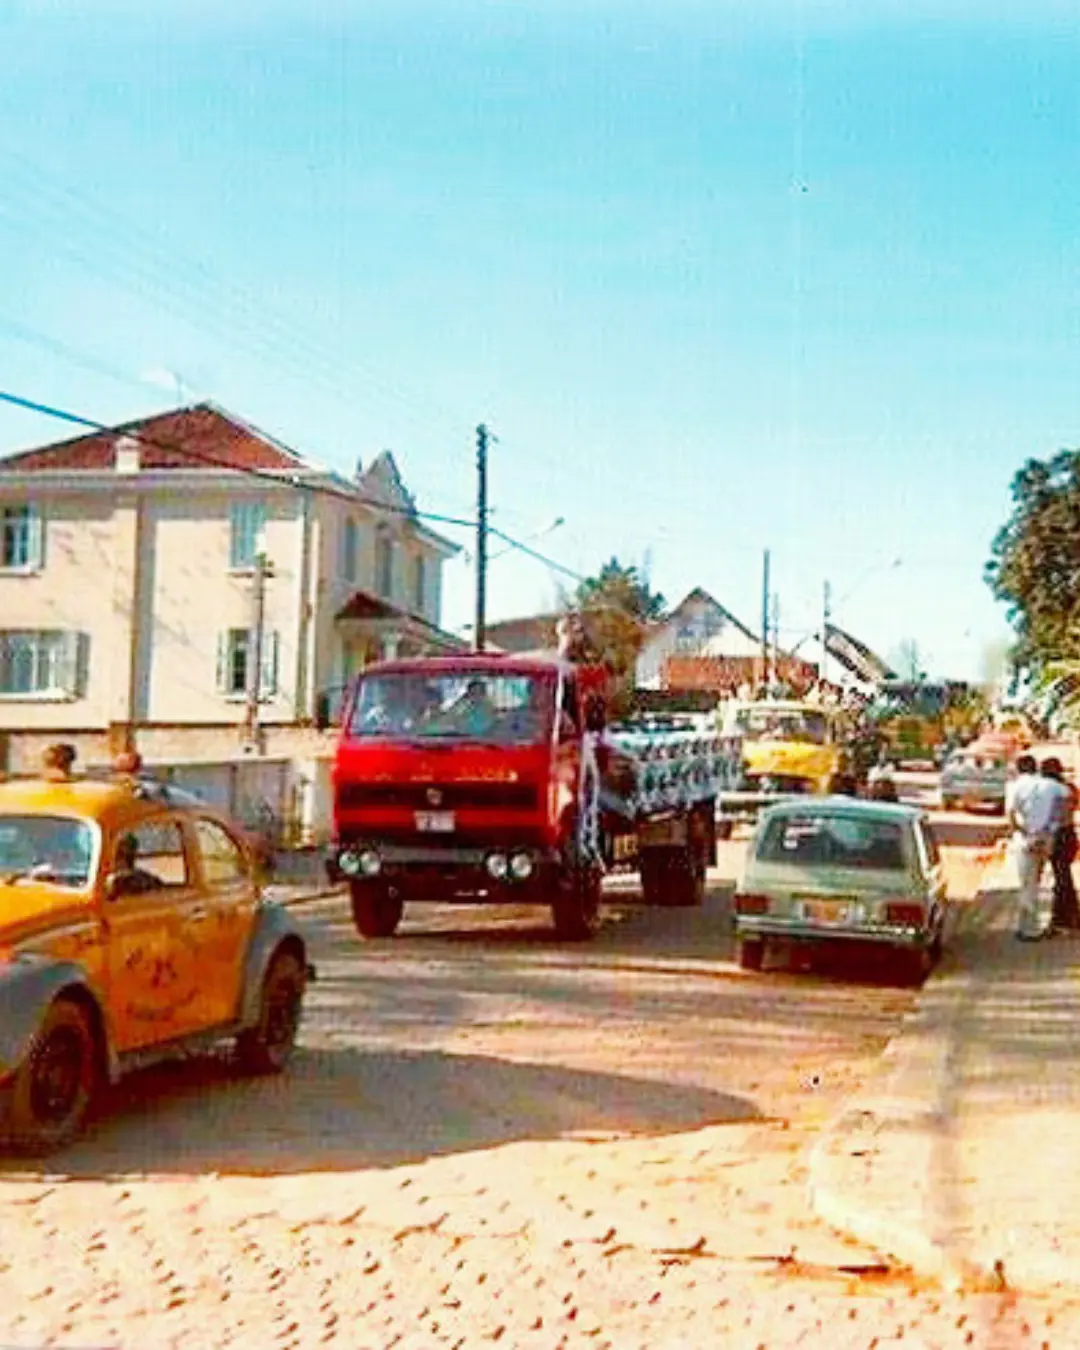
[(775, 663), (255, 647), (480, 631), (765, 617), (826, 616)]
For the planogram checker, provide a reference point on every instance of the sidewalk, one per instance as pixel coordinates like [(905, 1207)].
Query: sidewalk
[(965, 1162)]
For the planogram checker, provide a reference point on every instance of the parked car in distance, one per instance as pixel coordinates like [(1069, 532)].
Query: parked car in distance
[(840, 868), (977, 776), (131, 927)]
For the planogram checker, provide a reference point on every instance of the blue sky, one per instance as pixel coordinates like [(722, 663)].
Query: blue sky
[(721, 277)]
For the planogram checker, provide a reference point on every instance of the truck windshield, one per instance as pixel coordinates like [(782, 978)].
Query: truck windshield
[(782, 724), (45, 848), (503, 708)]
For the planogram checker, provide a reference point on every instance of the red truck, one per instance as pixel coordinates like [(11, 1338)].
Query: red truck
[(492, 778)]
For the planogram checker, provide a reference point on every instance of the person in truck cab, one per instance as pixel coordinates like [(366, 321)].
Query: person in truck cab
[(474, 713)]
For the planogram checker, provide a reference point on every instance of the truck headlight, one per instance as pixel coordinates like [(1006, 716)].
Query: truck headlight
[(497, 866), (370, 863), (522, 866), (349, 862)]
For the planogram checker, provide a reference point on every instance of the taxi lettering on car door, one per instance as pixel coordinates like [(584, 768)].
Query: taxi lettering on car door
[(157, 918)]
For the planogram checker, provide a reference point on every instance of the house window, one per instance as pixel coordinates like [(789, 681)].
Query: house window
[(20, 538), (384, 564), (234, 664), (247, 523), (350, 549), (45, 661), (420, 584)]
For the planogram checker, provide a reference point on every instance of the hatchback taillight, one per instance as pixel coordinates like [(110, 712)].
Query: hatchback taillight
[(906, 912), (751, 904)]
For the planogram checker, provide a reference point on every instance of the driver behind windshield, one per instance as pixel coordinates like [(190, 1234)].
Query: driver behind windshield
[(474, 713)]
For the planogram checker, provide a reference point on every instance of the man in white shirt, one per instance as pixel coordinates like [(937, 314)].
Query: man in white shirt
[(1033, 805)]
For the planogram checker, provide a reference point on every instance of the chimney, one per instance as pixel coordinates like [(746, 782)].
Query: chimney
[(127, 455)]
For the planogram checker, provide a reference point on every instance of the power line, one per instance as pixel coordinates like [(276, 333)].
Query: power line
[(294, 481), (268, 475)]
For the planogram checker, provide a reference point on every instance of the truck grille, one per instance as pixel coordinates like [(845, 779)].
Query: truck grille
[(452, 796)]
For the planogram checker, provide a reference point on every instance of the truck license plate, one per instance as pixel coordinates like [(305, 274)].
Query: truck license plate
[(435, 822)]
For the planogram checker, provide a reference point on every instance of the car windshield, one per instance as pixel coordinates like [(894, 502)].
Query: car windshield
[(502, 708), (787, 724), (808, 840), (56, 849)]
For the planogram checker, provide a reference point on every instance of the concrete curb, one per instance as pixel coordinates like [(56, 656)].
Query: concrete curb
[(891, 1138)]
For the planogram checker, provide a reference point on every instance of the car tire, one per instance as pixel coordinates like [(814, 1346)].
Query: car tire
[(54, 1087), (266, 1047), (725, 829), (914, 965), (751, 953), (376, 909), (575, 910)]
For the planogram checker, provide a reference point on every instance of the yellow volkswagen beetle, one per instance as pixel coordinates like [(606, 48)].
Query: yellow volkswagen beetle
[(131, 926)]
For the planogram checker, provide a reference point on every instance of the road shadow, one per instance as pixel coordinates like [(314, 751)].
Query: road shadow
[(349, 1109)]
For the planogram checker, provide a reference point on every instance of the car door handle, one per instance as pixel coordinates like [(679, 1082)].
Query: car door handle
[(198, 915)]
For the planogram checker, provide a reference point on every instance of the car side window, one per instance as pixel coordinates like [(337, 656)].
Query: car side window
[(929, 844), (223, 860), (150, 857)]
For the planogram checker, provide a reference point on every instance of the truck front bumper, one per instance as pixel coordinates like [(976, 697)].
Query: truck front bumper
[(502, 873)]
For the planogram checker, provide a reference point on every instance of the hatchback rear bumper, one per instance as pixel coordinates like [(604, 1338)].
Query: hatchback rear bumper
[(800, 930)]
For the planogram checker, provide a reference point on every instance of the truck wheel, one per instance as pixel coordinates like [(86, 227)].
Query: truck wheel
[(751, 953), (55, 1084), (576, 906), (672, 877), (376, 909), (266, 1047)]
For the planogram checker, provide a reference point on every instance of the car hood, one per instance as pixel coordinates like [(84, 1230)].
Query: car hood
[(789, 757), (30, 907)]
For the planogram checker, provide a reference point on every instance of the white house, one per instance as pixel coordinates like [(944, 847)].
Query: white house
[(128, 581)]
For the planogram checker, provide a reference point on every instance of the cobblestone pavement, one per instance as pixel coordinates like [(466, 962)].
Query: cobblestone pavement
[(490, 1139)]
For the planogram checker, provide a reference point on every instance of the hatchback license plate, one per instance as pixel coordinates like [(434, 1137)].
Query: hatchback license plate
[(435, 822), (826, 911)]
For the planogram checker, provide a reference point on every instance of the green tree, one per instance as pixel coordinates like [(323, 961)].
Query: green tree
[(1034, 568), (613, 609)]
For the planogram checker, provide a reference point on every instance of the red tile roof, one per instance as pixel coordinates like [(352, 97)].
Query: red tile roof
[(200, 437)]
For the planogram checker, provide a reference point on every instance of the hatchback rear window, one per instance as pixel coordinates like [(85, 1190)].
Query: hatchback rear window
[(834, 841)]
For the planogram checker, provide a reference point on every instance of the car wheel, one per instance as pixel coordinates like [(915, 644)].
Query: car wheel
[(376, 909), (751, 953), (55, 1084), (913, 965), (267, 1046), (725, 829)]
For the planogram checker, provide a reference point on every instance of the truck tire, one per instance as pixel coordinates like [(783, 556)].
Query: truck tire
[(672, 877), (376, 908), (576, 906)]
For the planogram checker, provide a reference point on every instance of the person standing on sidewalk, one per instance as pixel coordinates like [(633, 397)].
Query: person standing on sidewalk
[(1033, 809), (1066, 915)]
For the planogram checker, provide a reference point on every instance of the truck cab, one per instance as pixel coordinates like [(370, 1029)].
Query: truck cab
[(468, 778)]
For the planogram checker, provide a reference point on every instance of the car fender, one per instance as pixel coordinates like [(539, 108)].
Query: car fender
[(28, 985), (274, 925)]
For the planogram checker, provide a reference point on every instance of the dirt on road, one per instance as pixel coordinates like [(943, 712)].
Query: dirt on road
[(488, 1138)]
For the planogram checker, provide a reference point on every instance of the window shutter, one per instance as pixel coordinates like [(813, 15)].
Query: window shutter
[(268, 682), (82, 667), (223, 663), (68, 665), (35, 539)]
